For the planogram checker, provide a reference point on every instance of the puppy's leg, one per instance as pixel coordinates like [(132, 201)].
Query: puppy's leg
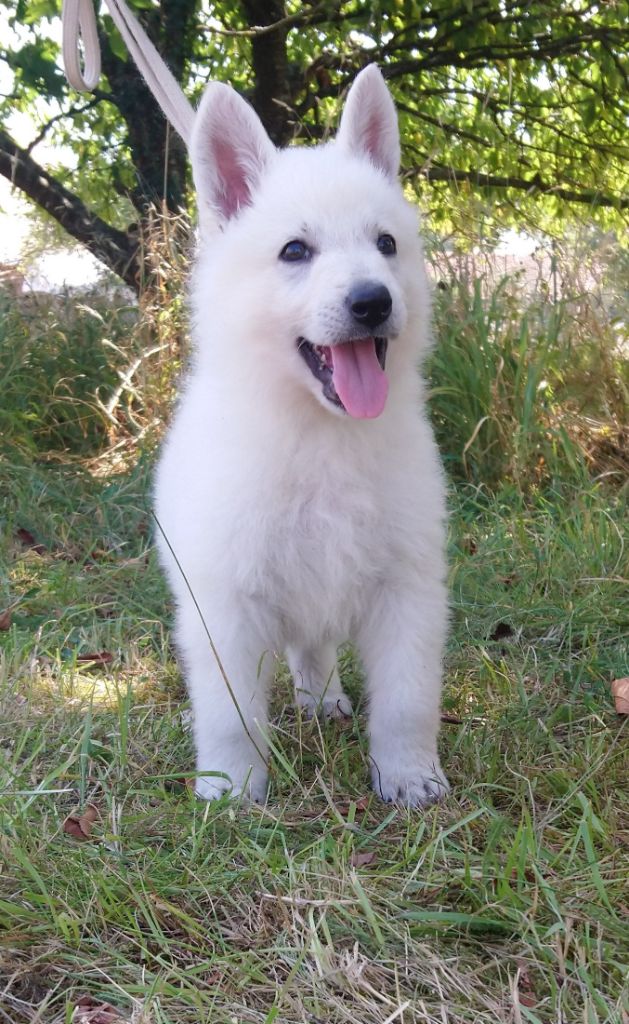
[(316, 680), (230, 721), (401, 644)]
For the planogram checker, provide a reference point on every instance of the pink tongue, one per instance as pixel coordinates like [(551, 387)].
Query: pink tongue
[(358, 378)]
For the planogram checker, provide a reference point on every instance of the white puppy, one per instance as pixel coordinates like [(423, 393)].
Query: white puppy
[(299, 492)]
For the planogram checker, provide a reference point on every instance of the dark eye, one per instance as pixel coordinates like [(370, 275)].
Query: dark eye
[(386, 245), (295, 251)]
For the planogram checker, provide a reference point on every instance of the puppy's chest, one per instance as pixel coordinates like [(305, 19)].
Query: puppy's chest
[(318, 543)]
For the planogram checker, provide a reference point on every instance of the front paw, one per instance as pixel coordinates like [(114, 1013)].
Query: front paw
[(413, 782), (233, 775)]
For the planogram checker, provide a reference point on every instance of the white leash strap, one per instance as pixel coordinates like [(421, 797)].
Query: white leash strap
[(79, 25)]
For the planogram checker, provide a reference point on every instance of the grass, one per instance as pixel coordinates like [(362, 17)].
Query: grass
[(528, 390), (508, 903)]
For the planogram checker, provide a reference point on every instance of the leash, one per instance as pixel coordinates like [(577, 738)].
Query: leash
[(80, 31)]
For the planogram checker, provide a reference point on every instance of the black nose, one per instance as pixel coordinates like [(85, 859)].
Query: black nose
[(370, 304)]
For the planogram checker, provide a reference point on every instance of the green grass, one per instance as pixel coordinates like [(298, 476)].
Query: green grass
[(508, 903)]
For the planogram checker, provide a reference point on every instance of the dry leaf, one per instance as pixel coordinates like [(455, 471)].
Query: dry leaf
[(362, 858), (527, 998), (526, 992), (508, 581), (27, 540), (361, 805), (91, 1011), (5, 619), (469, 545), (80, 826), (97, 554), (620, 693), (99, 658), (178, 784)]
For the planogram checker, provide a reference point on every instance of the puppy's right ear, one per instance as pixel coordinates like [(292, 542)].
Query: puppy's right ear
[(229, 150)]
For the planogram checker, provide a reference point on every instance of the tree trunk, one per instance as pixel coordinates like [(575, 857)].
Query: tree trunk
[(158, 154), (271, 96)]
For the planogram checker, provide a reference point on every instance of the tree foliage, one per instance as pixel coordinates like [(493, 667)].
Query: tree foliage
[(517, 107)]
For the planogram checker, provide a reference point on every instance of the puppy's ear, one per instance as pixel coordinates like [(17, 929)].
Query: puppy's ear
[(229, 150), (369, 124)]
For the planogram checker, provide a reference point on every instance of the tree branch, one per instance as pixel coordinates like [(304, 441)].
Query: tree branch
[(74, 109), (540, 48), (321, 14), (533, 185)]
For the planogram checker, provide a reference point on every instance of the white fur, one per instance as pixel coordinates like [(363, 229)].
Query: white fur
[(296, 526)]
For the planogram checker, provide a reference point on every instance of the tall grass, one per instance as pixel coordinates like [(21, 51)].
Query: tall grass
[(88, 373), (58, 360), (526, 390)]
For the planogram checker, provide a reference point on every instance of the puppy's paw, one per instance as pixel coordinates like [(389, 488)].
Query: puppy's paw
[(416, 782), (332, 705), (235, 776)]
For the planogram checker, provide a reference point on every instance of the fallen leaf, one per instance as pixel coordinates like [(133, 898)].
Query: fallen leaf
[(79, 826), (100, 658), (620, 693), (362, 858), (361, 805), (363, 802), (527, 998), (91, 1011), (529, 875), (177, 784), (5, 619), (526, 992), (27, 540), (97, 554)]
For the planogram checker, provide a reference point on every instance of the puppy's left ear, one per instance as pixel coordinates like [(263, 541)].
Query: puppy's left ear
[(369, 125)]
